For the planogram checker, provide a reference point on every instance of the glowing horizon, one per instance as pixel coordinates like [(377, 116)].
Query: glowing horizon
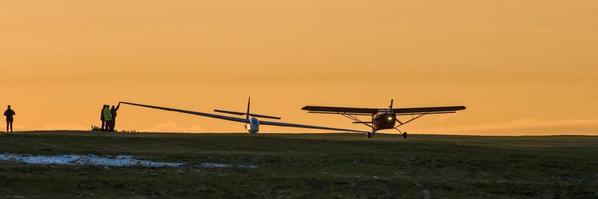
[(521, 68)]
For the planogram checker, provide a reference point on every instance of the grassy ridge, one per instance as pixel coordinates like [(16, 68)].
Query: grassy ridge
[(310, 165)]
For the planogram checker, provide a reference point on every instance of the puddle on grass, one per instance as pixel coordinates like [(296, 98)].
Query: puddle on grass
[(107, 161)]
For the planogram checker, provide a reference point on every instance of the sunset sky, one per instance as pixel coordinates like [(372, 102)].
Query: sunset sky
[(522, 67)]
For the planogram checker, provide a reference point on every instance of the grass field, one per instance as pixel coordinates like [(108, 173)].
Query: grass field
[(307, 166)]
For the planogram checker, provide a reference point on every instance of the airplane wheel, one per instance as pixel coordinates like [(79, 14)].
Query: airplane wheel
[(405, 135), (369, 135)]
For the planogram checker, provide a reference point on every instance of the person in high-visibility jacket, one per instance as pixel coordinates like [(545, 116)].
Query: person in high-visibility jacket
[(104, 125), (108, 117)]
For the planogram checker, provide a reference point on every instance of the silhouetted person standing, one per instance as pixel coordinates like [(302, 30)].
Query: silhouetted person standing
[(104, 123), (9, 113), (107, 117), (113, 112)]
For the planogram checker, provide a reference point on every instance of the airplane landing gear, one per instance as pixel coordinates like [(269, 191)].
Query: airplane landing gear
[(404, 134), (370, 135)]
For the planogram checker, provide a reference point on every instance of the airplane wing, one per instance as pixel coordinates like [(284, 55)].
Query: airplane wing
[(240, 120), (332, 109), (222, 117), (307, 126), (371, 111), (429, 110)]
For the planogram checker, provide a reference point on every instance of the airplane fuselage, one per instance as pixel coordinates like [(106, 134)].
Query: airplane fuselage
[(253, 127), (383, 120)]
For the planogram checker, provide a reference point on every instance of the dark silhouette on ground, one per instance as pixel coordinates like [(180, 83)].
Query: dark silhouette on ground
[(104, 123), (383, 118), (251, 121), (107, 117), (9, 113), (113, 111)]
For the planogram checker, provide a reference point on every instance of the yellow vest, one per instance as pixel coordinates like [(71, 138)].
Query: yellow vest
[(107, 114)]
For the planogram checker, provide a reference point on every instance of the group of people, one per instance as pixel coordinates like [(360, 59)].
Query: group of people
[(9, 114), (108, 117)]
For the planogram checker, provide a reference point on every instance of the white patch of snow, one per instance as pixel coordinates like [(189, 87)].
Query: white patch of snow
[(208, 165), (117, 161), (87, 160), (214, 165), (247, 166)]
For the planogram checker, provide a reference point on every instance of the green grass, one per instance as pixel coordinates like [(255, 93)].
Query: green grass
[(308, 166)]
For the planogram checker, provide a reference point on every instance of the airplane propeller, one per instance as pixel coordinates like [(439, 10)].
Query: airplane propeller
[(392, 102)]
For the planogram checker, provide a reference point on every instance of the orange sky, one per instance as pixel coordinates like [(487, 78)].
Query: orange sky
[(521, 67)]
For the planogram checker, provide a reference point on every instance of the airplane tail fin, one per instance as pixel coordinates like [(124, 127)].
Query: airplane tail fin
[(248, 109)]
